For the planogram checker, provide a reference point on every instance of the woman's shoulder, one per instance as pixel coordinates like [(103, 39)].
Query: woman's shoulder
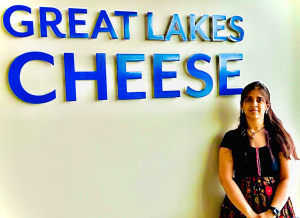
[(230, 138), (233, 133)]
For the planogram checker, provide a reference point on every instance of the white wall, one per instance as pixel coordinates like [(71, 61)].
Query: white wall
[(139, 158)]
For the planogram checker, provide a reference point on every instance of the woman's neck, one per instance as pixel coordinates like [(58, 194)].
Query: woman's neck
[(255, 124)]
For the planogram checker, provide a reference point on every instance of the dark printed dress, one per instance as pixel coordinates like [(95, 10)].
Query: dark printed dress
[(256, 172)]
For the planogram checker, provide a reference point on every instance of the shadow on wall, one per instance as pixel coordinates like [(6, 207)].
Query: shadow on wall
[(211, 191), (211, 194)]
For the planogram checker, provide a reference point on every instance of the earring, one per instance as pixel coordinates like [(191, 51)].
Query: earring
[(242, 111)]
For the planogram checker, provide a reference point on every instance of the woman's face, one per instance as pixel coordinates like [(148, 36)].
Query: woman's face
[(255, 105)]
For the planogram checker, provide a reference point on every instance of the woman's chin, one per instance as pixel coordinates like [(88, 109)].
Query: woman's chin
[(255, 116)]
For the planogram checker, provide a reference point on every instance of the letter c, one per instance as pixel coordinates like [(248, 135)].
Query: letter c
[(14, 74)]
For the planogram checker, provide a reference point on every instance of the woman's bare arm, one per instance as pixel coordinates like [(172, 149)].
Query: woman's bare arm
[(282, 191), (232, 190)]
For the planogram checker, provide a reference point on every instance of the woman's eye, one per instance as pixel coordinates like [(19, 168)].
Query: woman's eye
[(248, 100)]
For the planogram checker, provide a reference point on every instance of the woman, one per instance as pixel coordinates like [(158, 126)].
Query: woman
[(254, 160)]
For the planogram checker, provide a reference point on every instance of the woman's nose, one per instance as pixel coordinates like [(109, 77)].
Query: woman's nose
[(254, 103)]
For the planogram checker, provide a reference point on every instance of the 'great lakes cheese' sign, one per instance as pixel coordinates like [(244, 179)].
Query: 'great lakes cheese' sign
[(99, 75)]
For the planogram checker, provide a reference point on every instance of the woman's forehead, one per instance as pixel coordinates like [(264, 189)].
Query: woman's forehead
[(255, 93)]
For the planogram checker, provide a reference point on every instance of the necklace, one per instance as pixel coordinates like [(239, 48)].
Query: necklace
[(253, 133)]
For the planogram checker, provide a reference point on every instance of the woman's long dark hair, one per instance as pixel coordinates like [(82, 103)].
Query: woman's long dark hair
[(275, 133)]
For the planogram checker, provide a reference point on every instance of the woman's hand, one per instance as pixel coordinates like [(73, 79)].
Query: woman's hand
[(253, 215), (267, 214)]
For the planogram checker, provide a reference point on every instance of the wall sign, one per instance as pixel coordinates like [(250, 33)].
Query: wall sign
[(99, 75)]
